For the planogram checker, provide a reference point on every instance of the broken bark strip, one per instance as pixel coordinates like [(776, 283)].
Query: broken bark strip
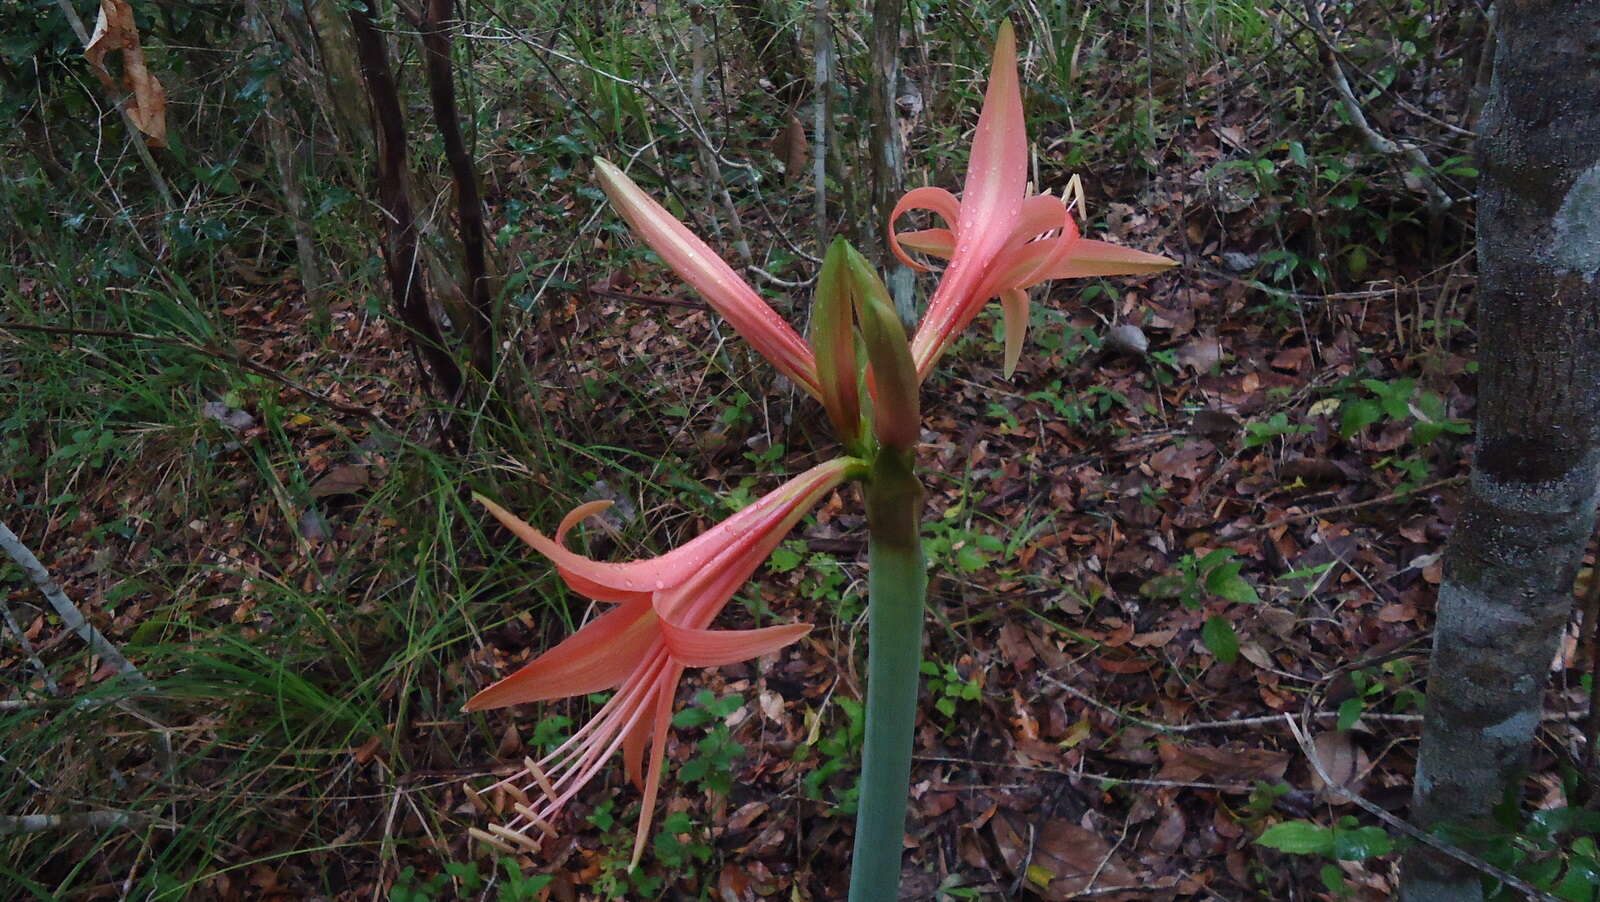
[(1530, 506), (401, 252), (469, 200)]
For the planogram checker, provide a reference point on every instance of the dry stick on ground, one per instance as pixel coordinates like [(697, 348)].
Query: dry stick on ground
[(1356, 505), (1336, 787), (69, 613), (1438, 200), (74, 620), (135, 137), (235, 359), (469, 203), (1263, 720), (81, 820)]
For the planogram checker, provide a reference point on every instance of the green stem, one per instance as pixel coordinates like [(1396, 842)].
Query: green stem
[(896, 591)]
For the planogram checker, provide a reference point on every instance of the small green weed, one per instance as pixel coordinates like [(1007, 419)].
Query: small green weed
[(1193, 580)]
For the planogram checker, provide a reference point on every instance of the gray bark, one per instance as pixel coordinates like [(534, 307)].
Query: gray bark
[(822, 26), (888, 151), (1516, 547)]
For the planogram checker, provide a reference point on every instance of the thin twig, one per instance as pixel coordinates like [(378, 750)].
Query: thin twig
[(1355, 505), (1079, 773), (1266, 719), (1406, 827)]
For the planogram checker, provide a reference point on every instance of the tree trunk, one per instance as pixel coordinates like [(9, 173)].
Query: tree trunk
[(1530, 507), (481, 320), (401, 250), (888, 151)]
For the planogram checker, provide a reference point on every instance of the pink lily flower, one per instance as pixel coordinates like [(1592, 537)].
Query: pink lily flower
[(660, 625), (1000, 242), (713, 278)]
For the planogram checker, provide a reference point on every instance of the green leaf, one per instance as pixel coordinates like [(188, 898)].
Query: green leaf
[(1357, 416), (1349, 712), (1219, 636), (1333, 879), (1360, 843), (970, 559), (691, 717), (784, 559), (1232, 587), (1297, 838)]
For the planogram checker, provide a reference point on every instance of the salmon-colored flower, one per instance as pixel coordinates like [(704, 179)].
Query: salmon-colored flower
[(713, 278), (664, 606), (1000, 242)]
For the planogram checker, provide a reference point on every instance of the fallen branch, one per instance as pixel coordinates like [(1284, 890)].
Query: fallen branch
[(1266, 719), (103, 819), (1438, 199), (69, 613)]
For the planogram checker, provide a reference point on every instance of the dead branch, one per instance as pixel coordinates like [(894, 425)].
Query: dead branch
[(1438, 199), (66, 610)]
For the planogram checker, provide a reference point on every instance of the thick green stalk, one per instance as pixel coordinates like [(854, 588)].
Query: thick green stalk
[(896, 591)]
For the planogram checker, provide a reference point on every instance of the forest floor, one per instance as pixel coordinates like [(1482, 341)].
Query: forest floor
[(1151, 567)]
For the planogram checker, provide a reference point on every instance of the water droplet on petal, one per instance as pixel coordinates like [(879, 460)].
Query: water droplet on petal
[(660, 585)]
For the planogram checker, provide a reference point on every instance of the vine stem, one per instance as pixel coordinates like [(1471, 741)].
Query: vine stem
[(896, 594)]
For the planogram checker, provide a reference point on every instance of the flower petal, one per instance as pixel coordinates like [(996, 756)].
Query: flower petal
[(1014, 303), (1088, 257), (712, 277), (599, 656), (939, 243), (632, 580), (997, 171), (714, 648), (658, 741), (634, 744), (696, 601), (1042, 213), (991, 202), (936, 200)]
